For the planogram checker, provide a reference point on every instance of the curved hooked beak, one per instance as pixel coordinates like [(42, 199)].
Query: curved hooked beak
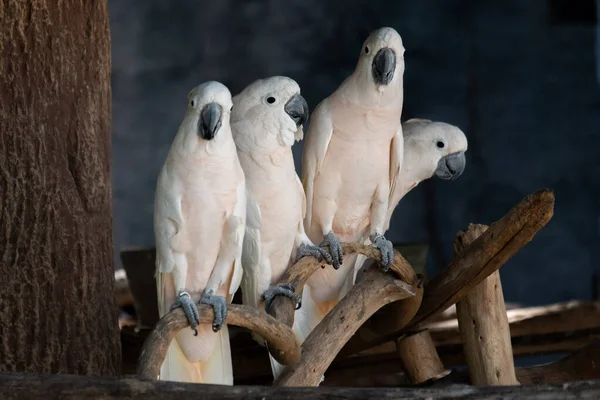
[(210, 121), (297, 109), (384, 65), (451, 167)]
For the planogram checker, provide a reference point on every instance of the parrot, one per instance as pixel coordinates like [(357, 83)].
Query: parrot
[(430, 149), (199, 225), (267, 119), (351, 159)]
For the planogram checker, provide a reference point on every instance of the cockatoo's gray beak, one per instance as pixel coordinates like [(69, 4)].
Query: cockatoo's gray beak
[(452, 166), (210, 121), (384, 65), (297, 109)]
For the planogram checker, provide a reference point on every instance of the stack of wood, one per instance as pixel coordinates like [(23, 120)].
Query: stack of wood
[(407, 334)]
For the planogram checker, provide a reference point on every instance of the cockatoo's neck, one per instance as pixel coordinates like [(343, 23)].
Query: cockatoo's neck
[(361, 91)]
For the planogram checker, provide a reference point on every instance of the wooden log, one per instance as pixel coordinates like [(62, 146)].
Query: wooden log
[(325, 341), (20, 386), (282, 308), (584, 364), (419, 357), (279, 337), (488, 253), (483, 325), (58, 312)]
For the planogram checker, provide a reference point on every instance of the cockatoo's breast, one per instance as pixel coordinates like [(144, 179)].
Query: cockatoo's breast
[(208, 200)]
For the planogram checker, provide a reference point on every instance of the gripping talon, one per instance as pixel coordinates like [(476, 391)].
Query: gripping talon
[(219, 306), (387, 250), (335, 249), (284, 289), (184, 300), (315, 251)]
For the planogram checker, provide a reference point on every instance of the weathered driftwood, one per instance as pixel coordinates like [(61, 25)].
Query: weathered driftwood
[(551, 329), (419, 357), (21, 386), (582, 365), (488, 253), (282, 308), (280, 338), (324, 342), (483, 325)]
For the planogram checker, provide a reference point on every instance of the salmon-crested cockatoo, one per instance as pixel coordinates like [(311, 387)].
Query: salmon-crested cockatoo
[(352, 157), (266, 120), (199, 223), (430, 149)]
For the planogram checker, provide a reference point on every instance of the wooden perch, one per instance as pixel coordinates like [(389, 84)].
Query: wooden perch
[(282, 308), (484, 326), (325, 341), (279, 337), (419, 357), (486, 254), (582, 365), (21, 386)]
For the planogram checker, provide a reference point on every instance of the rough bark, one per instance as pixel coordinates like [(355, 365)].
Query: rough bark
[(57, 307)]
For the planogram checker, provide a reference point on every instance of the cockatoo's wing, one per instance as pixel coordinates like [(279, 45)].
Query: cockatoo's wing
[(316, 143), (251, 254)]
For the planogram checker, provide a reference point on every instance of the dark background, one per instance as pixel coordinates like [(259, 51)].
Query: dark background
[(521, 78)]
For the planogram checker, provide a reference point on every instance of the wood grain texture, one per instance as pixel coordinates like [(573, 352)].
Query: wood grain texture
[(419, 357), (57, 307), (69, 387), (329, 336), (280, 338), (282, 308), (483, 324), (487, 254)]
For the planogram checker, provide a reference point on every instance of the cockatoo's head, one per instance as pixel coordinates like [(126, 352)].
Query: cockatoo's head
[(433, 148), (382, 58), (209, 108), (269, 113)]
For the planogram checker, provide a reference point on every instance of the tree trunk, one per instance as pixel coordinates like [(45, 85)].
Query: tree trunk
[(57, 307)]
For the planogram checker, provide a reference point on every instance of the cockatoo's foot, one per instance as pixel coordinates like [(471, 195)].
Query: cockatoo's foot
[(335, 249), (386, 248), (282, 289), (184, 300), (219, 306), (317, 252)]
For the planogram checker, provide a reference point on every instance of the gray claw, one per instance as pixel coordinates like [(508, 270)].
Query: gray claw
[(317, 252), (335, 249), (387, 250), (184, 300), (219, 306), (284, 289)]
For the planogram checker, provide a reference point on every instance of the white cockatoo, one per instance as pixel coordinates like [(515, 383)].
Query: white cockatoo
[(266, 120), (199, 222), (430, 149), (352, 158)]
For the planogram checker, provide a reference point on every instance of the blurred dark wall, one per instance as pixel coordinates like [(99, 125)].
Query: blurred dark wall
[(519, 77)]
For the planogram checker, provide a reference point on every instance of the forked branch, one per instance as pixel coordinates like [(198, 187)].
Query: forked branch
[(322, 345)]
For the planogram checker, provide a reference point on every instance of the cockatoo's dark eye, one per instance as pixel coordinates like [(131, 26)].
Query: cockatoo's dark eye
[(231, 109), (440, 144), (270, 99), (192, 103), (366, 49)]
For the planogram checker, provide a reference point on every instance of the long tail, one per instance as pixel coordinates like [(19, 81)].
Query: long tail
[(217, 369)]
